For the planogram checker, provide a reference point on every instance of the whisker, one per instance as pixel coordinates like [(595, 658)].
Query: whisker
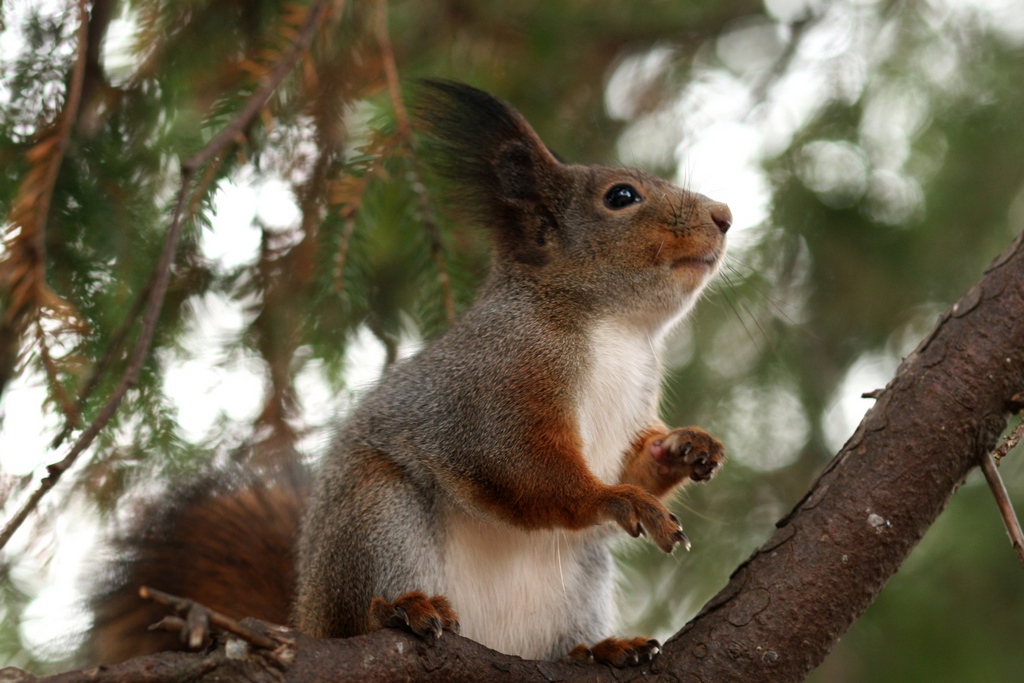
[(736, 311), (680, 503), (775, 303), (660, 246)]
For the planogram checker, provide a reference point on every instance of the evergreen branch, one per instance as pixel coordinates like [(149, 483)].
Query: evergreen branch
[(350, 191), (154, 303), (391, 70), (97, 92), (121, 334), (131, 373), (281, 277), (341, 255), (428, 218), (430, 226), (23, 268), (113, 348), (150, 41), (259, 99)]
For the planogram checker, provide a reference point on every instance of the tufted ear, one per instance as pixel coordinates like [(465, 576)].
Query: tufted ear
[(498, 168)]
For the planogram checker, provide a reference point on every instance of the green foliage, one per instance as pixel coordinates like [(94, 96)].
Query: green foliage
[(891, 184)]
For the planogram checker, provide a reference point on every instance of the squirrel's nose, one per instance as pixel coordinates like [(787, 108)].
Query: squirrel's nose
[(721, 215)]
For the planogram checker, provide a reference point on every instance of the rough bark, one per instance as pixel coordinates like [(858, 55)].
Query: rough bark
[(784, 607)]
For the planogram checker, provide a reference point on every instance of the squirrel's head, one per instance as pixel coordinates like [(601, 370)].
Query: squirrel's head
[(616, 240)]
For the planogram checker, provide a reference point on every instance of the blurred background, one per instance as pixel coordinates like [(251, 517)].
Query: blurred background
[(872, 153)]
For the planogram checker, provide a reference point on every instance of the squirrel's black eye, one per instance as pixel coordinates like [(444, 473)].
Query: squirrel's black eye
[(622, 195)]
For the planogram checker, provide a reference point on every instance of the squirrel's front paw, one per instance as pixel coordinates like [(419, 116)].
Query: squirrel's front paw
[(426, 617), (640, 514), (687, 452)]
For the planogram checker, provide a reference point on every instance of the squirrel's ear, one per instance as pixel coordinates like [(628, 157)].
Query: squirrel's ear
[(498, 168)]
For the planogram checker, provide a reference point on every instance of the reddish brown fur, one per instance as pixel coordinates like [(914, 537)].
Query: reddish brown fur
[(661, 476), (415, 612), (618, 652), (228, 547), (555, 488)]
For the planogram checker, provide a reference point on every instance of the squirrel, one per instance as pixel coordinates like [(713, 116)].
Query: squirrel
[(476, 488)]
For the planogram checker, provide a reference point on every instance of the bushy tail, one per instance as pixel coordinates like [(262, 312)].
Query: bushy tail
[(226, 541)]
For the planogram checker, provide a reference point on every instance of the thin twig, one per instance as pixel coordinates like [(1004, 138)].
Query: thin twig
[(169, 623), (341, 255), (391, 70), (1011, 442), (995, 482), (209, 175), (222, 621), (430, 224), (72, 414), (113, 348), (155, 300)]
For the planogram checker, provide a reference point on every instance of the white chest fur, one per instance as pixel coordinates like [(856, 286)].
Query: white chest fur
[(522, 592), (618, 395)]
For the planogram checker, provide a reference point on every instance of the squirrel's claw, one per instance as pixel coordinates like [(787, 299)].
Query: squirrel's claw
[(684, 539), (425, 617), (640, 514), (680, 535), (617, 652)]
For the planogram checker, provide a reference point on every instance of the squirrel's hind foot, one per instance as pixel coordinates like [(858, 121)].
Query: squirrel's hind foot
[(425, 617), (617, 652)]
